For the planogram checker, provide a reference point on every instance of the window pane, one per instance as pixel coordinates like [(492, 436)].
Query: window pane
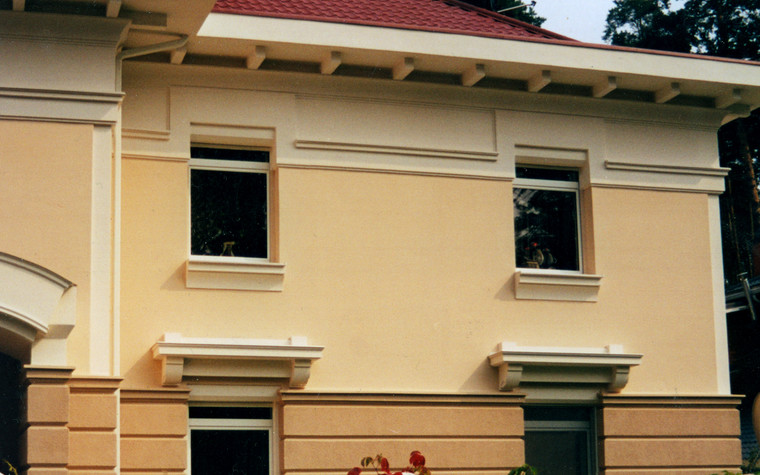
[(244, 452), (546, 229), (230, 154), (557, 452), (555, 174), (229, 213)]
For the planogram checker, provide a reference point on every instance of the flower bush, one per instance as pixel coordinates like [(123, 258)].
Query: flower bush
[(381, 465)]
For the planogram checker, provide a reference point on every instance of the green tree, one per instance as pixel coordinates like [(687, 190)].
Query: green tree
[(647, 24), (526, 13)]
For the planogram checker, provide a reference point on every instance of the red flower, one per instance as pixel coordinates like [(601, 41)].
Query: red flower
[(417, 459), (354, 471), (384, 465)]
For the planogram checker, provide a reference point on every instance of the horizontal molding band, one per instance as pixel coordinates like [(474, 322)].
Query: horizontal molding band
[(157, 158), (106, 97), (667, 169), (489, 156), (321, 398), (676, 189), (395, 171), (145, 134)]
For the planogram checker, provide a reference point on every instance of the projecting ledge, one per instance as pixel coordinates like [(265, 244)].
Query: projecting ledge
[(542, 284), (607, 367), (289, 359)]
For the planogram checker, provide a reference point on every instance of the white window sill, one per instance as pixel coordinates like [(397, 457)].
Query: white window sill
[(533, 284), (234, 273)]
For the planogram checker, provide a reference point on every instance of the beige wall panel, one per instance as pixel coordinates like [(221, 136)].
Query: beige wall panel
[(655, 276), (47, 471), (92, 449), (627, 422), (666, 452), (394, 420), (151, 453), (449, 454), (46, 445), (395, 124), (400, 260), (153, 419), (47, 404), (46, 171), (88, 411)]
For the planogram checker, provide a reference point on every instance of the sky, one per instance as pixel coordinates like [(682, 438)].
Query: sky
[(582, 20)]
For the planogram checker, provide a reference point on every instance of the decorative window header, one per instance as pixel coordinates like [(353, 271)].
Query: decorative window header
[(289, 359)]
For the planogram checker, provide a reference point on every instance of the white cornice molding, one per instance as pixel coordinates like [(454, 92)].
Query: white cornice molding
[(606, 367), (177, 352), (60, 105), (490, 156), (667, 169)]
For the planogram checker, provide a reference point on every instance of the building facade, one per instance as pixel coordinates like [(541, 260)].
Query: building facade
[(272, 237)]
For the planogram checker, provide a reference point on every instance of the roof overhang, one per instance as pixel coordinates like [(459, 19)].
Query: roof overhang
[(595, 70)]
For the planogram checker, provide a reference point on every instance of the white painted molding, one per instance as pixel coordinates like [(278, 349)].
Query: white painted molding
[(37, 306), (235, 358), (605, 87), (539, 81), (178, 55), (403, 68), (667, 93), (606, 367), (556, 285), (729, 99), (60, 105), (490, 156), (236, 273), (258, 56), (112, 8), (474, 74), (668, 169), (331, 62)]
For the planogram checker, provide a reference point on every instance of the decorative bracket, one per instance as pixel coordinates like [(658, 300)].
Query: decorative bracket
[(235, 358), (535, 365)]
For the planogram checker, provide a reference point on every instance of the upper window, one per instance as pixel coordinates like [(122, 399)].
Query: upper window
[(229, 194), (231, 440), (547, 227)]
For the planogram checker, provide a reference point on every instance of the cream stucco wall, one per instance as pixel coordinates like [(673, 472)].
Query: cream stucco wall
[(46, 206), (399, 248)]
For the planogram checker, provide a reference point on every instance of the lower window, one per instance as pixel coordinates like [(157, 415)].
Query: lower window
[(560, 440), (231, 440)]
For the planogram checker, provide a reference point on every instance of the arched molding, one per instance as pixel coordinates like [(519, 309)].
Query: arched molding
[(37, 312)]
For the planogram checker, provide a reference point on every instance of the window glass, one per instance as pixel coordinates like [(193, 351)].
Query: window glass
[(229, 203), (546, 219), (231, 440), (560, 440)]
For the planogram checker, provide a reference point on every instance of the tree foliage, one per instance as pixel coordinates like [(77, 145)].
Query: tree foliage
[(526, 14), (726, 28)]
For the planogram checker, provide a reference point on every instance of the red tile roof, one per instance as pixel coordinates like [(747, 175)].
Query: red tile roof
[(446, 16)]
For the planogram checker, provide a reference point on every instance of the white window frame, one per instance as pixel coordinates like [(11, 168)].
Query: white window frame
[(555, 185), (232, 424), (234, 166)]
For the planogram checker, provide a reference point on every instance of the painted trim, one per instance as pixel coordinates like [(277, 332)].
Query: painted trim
[(60, 105), (668, 169), (607, 367), (235, 273), (719, 297), (177, 354), (102, 278), (556, 285), (490, 156)]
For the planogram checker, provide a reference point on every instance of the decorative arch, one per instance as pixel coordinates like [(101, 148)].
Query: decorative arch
[(37, 312)]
